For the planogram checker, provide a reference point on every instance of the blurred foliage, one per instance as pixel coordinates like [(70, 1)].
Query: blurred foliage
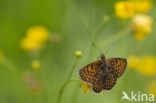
[(72, 25)]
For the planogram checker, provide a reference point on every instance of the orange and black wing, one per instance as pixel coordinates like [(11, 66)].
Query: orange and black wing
[(98, 83), (109, 81), (88, 72), (117, 66)]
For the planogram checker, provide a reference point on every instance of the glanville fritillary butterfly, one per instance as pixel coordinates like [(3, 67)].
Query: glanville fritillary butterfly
[(103, 73)]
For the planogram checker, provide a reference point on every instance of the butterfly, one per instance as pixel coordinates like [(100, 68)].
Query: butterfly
[(103, 73)]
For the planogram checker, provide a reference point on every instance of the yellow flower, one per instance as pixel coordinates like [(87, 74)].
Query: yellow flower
[(144, 65), (152, 87), (35, 64), (124, 9), (85, 86), (142, 6), (142, 26), (35, 38), (148, 66), (39, 34), (78, 54), (29, 44), (133, 61)]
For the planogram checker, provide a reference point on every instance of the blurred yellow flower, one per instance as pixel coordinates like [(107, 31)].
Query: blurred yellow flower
[(133, 61), (36, 64), (142, 26), (29, 44), (142, 6), (85, 86), (144, 65), (124, 9), (152, 87), (35, 38), (78, 54), (127, 9), (38, 33)]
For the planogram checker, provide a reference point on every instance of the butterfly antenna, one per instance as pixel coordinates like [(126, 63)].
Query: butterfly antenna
[(109, 48), (97, 48)]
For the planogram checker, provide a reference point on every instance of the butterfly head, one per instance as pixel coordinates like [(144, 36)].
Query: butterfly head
[(102, 57)]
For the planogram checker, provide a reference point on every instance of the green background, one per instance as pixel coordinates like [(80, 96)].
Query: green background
[(77, 22)]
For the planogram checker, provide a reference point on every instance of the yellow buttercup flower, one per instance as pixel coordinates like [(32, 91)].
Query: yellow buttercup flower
[(152, 87), (124, 9), (35, 64), (142, 26), (39, 33), (142, 6), (133, 61), (85, 86), (127, 9), (35, 38), (148, 64), (144, 65), (29, 44)]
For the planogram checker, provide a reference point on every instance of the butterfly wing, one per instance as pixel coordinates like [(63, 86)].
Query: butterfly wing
[(109, 81), (98, 83), (117, 66), (88, 72)]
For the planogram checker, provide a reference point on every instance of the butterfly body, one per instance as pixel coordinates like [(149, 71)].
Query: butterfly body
[(102, 74)]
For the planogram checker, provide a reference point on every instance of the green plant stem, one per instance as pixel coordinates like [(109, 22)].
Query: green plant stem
[(63, 87), (73, 68), (67, 81)]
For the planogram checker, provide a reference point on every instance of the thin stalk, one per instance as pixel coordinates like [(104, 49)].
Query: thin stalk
[(63, 87), (67, 81), (73, 68)]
